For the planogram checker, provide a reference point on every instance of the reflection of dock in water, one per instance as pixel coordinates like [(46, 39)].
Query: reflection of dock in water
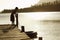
[(13, 34)]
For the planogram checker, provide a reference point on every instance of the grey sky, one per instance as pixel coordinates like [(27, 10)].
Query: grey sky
[(11, 4)]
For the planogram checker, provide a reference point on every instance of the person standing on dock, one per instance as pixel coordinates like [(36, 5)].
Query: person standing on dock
[(14, 15)]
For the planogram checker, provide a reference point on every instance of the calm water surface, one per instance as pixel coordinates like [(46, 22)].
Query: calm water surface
[(41, 22)]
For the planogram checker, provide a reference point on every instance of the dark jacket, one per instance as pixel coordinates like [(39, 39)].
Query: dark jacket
[(12, 17)]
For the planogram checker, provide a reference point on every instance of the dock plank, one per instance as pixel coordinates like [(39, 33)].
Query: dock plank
[(13, 34)]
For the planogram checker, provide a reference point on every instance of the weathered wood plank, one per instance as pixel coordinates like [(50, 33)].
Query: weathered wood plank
[(13, 34)]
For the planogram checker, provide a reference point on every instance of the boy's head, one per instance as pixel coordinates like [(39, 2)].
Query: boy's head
[(16, 8)]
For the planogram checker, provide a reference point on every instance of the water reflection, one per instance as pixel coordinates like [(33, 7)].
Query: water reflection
[(47, 24), (49, 29)]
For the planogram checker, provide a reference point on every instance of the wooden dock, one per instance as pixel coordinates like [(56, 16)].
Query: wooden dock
[(13, 34)]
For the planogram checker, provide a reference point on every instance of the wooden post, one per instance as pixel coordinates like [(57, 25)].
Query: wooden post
[(40, 38), (22, 29)]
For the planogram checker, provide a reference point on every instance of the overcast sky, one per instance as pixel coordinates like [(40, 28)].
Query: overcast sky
[(11, 4)]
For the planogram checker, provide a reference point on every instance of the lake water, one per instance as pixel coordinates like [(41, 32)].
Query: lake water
[(41, 22)]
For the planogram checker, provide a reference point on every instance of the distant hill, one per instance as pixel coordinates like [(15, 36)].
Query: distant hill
[(55, 6)]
